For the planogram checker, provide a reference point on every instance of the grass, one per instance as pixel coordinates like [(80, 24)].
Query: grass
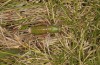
[(76, 44)]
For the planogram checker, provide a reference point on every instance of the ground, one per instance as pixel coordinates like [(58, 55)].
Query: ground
[(49, 32)]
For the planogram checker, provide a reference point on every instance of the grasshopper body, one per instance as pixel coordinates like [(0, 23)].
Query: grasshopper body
[(39, 30)]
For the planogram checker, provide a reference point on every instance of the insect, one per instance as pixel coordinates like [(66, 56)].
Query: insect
[(42, 29)]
